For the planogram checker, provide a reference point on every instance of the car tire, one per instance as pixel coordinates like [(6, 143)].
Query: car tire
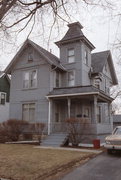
[(109, 151)]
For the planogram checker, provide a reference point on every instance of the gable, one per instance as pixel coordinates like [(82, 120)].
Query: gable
[(23, 60), (47, 56), (107, 71), (99, 60)]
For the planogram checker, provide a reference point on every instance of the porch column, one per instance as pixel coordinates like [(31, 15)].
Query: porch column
[(69, 107), (95, 109), (49, 115)]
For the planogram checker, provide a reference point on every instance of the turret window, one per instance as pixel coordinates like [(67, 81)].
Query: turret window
[(71, 55), (86, 57)]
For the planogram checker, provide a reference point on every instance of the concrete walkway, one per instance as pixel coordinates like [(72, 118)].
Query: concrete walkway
[(71, 149)]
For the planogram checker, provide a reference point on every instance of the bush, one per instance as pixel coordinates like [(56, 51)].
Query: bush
[(11, 129), (76, 129), (37, 128)]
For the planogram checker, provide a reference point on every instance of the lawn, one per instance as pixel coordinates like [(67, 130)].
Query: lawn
[(24, 162)]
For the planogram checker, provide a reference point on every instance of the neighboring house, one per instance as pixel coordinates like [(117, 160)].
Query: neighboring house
[(116, 120), (4, 96), (48, 89)]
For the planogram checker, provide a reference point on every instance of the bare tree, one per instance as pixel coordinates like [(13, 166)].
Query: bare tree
[(27, 10)]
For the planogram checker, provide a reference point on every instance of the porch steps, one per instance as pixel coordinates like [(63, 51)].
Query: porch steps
[(55, 140)]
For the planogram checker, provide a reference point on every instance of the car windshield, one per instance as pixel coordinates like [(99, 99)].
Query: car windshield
[(117, 131)]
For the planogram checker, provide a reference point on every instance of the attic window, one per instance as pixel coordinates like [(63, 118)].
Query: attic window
[(30, 56)]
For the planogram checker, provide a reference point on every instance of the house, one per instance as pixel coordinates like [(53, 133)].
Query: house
[(116, 120), (4, 96), (48, 89)]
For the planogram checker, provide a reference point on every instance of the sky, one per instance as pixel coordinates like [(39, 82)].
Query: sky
[(101, 27)]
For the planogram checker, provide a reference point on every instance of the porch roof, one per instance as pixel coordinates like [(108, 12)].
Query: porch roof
[(78, 91)]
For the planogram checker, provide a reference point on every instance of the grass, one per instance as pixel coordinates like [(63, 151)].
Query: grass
[(24, 162)]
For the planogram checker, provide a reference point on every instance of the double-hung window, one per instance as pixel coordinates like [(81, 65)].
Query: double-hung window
[(71, 78), (30, 79), (71, 55), (28, 112)]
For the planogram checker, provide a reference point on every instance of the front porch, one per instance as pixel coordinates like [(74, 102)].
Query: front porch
[(91, 109)]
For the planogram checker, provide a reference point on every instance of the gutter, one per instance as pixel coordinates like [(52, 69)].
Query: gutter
[(75, 94)]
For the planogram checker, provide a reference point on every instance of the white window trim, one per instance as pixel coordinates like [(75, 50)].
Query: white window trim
[(28, 103), (68, 78), (29, 71), (68, 56), (5, 97)]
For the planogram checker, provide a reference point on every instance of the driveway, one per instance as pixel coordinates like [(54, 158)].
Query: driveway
[(102, 167)]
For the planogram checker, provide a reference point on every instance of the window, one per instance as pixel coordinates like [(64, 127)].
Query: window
[(86, 57), (30, 56), (30, 79), (97, 83), (57, 79), (71, 78), (71, 56), (28, 112), (2, 98)]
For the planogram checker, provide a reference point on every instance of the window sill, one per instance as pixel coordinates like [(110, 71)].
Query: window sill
[(26, 89)]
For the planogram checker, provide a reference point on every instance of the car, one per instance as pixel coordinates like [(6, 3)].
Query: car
[(113, 142)]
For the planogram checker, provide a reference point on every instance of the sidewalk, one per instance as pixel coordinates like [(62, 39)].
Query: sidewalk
[(70, 149)]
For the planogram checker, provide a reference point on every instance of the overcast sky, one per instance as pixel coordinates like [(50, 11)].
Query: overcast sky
[(101, 27)]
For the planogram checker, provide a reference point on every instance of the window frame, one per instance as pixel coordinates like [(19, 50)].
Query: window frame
[(59, 79), (71, 55), (30, 79), (5, 94), (97, 83), (28, 111), (73, 84), (86, 58)]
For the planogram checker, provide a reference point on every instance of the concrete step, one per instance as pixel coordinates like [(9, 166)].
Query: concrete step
[(55, 139)]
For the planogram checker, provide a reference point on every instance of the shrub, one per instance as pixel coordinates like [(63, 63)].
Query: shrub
[(76, 128), (37, 128), (11, 129)]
